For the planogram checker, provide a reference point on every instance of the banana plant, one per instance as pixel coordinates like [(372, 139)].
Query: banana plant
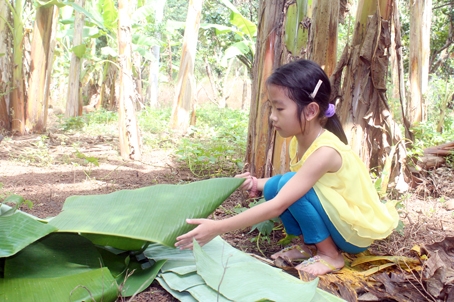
[(245, 32), (94, 249)]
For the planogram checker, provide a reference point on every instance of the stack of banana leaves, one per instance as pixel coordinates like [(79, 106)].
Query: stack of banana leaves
[(103, 247)]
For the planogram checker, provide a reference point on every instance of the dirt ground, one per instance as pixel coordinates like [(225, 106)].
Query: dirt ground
[(48, 171)]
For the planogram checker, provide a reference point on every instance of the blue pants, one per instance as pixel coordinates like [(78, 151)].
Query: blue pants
[(307, 217)]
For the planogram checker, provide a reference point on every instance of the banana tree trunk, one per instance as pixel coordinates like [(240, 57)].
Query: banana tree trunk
[(397, 68), (364, 110), (5, 66), (308, 29), (40, 68), (420, 18), (183, 105), (154, 65), (17, 95), (74, 101), (129, 131), (323, 38), (260, 144)]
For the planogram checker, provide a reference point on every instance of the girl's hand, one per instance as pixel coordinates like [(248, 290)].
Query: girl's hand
[(247, 184), (250, 184), (203, 233)]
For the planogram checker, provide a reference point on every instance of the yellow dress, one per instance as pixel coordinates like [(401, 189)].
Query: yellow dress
[(348, 196)]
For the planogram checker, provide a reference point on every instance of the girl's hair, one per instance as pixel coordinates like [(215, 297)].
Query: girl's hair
[(299, 78)]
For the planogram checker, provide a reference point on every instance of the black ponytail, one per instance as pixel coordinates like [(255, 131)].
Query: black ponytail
[(334, 125)]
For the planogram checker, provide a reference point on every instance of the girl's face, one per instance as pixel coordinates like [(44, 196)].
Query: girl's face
[(284, 113)]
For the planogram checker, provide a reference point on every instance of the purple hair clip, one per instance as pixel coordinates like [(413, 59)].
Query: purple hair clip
[(330, 111)]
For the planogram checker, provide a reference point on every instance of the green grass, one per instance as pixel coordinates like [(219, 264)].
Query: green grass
[(215, 146), (101, 122)]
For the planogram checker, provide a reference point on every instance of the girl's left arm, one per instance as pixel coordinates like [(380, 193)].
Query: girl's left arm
[(323, 160)]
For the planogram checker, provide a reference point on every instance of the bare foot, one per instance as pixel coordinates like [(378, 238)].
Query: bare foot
[(293, 253), (322, 264)]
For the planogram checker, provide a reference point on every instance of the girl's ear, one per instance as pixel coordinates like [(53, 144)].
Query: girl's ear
[(311, 111)]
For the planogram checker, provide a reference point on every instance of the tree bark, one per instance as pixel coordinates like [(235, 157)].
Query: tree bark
[(398, 70), (74, 101), (50, 61), (130, 145), (323, 38), (5, 66), (269, 47), (364, 110), (39, 69), (286, 31), (154, 65), (186, 85), (420, 19), (17, 95)]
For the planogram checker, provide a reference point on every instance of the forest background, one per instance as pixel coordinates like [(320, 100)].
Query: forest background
[(137, 76)]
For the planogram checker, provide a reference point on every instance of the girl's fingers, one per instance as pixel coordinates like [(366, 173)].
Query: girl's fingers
[(194, 221), (247, 184), (185, 241), (243, 175)]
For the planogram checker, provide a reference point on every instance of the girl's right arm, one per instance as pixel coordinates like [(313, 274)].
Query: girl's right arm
[(323, 160)]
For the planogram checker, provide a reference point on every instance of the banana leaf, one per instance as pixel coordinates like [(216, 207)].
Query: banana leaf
[(180, 296), (235, 277), (194, 285), (229, 274), (153, 214), (18, 230), (58, 267), (132, 275)]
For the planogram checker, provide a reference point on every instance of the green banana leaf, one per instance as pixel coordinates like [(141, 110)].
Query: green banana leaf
[(156, 213), (235, 277), (182, 282), (244, 25), (180, 296), (244, 278), (58, 267), (121, 243), (133, 275), (194, 285), (18, 230)]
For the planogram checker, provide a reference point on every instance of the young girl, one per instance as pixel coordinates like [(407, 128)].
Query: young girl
[(328, 198)]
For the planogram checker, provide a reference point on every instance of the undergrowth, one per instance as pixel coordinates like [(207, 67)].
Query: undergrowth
[(216, 146), (426, 136)]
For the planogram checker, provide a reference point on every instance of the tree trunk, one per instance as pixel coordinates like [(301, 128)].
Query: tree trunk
[(185, 88), (50, 61), (440, 55), (155, 51), (259, 154), (364, 110), (18, 92), (39, 72), (5, 66), (420, 19), (74, 101), (323, 38), (308, 30), (398, 69), (129, 131)]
